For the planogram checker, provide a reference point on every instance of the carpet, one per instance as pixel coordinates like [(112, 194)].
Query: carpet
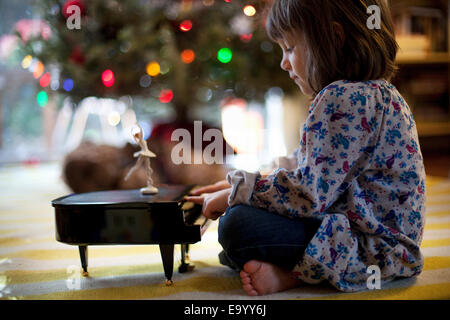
[(34, 266)]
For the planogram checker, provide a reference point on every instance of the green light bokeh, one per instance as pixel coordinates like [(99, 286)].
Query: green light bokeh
[(224, 55), (42, 98)]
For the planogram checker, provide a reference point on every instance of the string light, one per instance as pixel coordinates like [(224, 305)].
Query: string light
[(249, 10), (186, 25), (45, 80), (153, 68), (208, 3), (39, 70), (246, 37), (108, 78), (165, 96), (145, 81), (186, 5), (42, 98), (224, 55), (54, 84), (114, 118), (188, 56), (165, 67), (26, 62), (68, 84)]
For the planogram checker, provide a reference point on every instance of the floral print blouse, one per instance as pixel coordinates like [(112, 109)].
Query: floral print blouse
[(359, 170)]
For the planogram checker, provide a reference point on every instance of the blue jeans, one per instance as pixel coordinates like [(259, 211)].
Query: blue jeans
[(247, 233)]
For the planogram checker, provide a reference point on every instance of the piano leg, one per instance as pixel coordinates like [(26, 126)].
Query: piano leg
[(184, 266), (187, 251), (167, 258), (84, 259)]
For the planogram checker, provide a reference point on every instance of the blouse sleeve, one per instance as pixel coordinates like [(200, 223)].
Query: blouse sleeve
[(337, 144)]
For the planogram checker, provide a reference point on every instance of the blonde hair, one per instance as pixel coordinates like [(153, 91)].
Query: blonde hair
[(364, 54)]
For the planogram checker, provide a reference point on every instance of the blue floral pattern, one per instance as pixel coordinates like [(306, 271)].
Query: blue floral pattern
[(360, 171)]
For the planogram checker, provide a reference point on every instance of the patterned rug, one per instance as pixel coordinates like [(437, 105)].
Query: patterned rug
[(33, 265)]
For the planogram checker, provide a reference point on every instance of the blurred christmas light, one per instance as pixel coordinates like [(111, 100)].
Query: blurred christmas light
[(145, 81), (224, 55), (153, 68), (204, 94), (39, 70), (54, 84), (108, 78), (26, 62), (266, 46), (165, 67), (166, 96), (186, 25), (42, 98), (186, 5), (114, 118), (45, 80), (246, 37), (249, 10), (68, 84), (187, 56), (242, 128), (65, 9), (33, 65), (32, 28), (208, 2)]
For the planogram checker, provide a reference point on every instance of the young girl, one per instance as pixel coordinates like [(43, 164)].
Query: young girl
[(353, 203)]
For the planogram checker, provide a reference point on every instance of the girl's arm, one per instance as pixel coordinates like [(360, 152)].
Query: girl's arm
[(220, 185)]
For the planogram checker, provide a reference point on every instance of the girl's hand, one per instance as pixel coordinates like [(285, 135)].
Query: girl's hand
[(214, 204), (221, 185)]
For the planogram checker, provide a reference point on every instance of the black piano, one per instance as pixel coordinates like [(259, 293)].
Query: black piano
[(128, 217)]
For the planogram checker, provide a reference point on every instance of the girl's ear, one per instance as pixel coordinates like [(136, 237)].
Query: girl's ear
[(339, 33)]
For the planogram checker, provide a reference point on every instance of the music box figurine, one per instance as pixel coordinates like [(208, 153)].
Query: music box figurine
[(143, 156)]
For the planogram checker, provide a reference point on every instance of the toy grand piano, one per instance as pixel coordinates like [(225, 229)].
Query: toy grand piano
[(128, 217)]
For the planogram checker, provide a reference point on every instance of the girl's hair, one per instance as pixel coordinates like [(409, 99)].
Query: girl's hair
[(365, 54)]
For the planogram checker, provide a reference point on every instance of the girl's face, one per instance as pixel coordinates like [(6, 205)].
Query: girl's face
[(294, 60)]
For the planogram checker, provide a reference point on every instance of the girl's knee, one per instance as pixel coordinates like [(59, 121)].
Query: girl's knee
[(232, 225)]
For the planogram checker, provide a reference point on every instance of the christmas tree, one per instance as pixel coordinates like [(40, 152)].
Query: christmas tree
[(178, 52)]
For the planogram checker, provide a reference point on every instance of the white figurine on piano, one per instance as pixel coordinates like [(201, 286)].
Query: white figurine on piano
[(143, 158)]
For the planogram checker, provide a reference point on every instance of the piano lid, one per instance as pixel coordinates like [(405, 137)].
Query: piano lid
[(116, 197)]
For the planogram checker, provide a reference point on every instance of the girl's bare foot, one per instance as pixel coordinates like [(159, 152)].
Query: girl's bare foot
[(260, 278)]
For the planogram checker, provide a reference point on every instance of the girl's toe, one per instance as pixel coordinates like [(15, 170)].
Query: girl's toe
[(244, 274), (250, 290), (246, 280)]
